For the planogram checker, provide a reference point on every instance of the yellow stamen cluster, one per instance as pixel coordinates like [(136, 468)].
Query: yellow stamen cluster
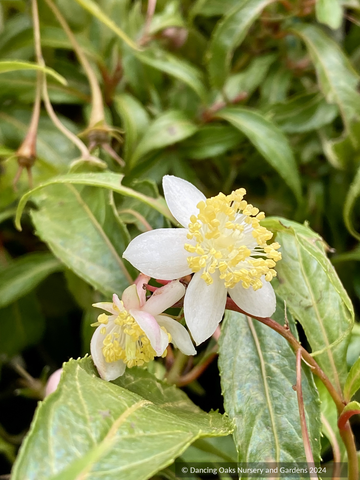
[(227, 236), (127, 341)]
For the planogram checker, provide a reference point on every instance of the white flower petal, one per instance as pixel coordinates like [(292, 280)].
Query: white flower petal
[(204, 306), (107, 371), (140, 282), (260, 303), (152, 330), (107, 306), (164, 298), (180, 336), (181, 198), (160, 253), (130, 298)]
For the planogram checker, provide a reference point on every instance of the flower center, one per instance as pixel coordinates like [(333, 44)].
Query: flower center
[(228, 237), (126, 341)]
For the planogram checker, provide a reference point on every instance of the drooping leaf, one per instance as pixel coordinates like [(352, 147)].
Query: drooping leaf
[(80, 229), (135, 118), (98, 13), (308, 283), (212, 8), (13, 65), (351, 197), (229, 34), (24, 274), (22, 324), (268, 140), (128, 431), (169, 128), (303, 113), (176, 67), (257, 368), (329, 12), (108, 180), (337, 78), (352, 384)]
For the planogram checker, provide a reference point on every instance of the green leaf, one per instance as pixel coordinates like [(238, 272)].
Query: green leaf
[(303, 113), (169, 17), (275, 87), (229, 34), (248, 80), (81, 230), (169, 128), (257, 368), (329, 12), (24, 274), (210, 141), (268, 140), (212, 8), (309, 284), (135, 120), (176, 67), (108, 180), (97, 12), (22, 324), (13, 65), (352, 384), (128, 431), (337, 78), (351, 197)]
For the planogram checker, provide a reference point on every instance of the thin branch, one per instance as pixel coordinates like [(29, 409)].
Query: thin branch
[(72, 137), (97, 112), (304, 430), (335, 447), (198, 370), (149, 15)]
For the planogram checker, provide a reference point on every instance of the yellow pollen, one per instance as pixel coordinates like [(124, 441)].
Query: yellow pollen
[(126, 341), (226, 235)]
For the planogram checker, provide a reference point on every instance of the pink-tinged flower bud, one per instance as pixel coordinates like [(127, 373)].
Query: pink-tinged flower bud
[(53, 382)]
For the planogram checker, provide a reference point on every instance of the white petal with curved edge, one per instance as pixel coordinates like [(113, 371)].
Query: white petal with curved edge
[(107, 306), (160, 253), (164, 298), (180, 336), (204, 306), (140, 282), (130, 298), (181, 198), (152, 330), (107, 371), (260, 303)]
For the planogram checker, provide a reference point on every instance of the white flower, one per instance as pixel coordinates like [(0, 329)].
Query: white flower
[(136, 332), (223, 243)]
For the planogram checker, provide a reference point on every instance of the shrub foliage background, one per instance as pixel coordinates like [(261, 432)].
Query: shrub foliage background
[(251, 93)]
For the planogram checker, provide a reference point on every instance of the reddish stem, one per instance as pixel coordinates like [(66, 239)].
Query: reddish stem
[(344, 417)]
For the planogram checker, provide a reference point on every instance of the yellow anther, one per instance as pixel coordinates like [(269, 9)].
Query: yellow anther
[(103, 318), (229, 238)]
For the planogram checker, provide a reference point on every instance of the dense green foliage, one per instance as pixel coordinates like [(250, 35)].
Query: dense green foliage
[(225, 94)]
